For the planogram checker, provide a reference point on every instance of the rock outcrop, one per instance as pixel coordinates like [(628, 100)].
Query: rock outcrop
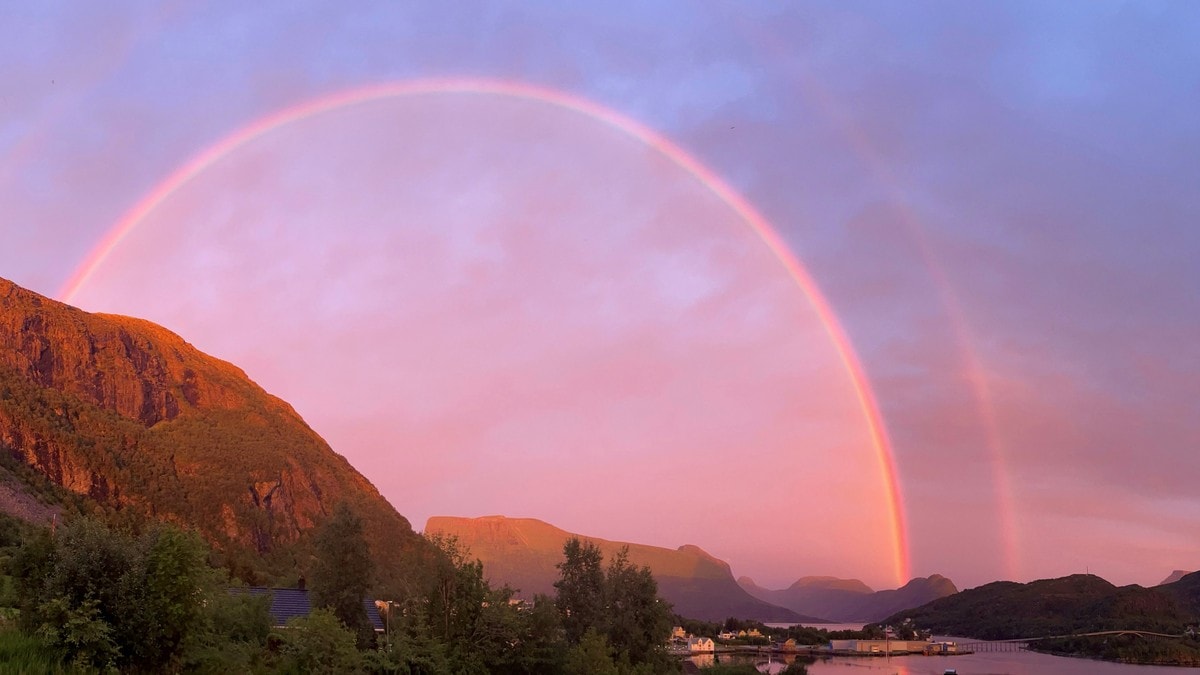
[(129, 414)]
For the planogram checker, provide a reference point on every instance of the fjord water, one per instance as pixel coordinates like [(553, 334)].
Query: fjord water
[(1019, 663)]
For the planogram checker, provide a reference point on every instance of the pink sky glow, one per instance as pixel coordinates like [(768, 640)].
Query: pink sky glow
[(495, 305)]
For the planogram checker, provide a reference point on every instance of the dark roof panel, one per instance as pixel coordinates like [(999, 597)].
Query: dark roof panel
[(288, 603)]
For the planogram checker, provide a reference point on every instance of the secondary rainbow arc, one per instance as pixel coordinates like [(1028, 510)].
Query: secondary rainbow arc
[(833, 328)]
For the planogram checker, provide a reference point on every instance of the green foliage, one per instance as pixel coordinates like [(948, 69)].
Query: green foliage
[(11, 532), (80, 633), (1127, 648), (107, 600), (230, 635), (592, 655), (457, 593), (319, 643), (580, 588), (619, 603), (457, 623), (635, 619), (24, 653), (163, 592), (342, 571)]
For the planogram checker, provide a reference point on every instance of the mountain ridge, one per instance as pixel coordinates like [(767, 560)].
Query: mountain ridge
[(1071, 606), (850, 600), (523, 552)]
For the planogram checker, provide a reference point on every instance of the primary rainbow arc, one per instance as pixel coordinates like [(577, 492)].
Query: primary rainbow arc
[(833, 328)]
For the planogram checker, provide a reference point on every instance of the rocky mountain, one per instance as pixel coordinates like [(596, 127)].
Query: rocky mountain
[(132, 417), (850, 600), (523, 552)]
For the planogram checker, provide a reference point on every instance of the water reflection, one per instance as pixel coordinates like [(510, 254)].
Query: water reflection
[(1022, 663)]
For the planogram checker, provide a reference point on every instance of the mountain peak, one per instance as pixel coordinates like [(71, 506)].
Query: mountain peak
[(827, 582), (1173, 577)]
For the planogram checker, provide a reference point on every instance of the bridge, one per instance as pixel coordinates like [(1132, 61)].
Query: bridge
[(1022, 644)]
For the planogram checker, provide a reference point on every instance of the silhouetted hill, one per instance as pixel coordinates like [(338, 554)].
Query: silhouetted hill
[(850, 600), (1186, 592), (1070, 606), (523, 552), (128, 414), (1073, 604)]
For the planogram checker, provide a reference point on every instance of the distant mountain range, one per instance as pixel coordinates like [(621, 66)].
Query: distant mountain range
[(137, 423), (1072, 606), (523, 552), (850, 600), (1078, 603), (1173, 577)]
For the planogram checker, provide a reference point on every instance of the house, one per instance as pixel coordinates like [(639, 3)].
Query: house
[(727, 635), (788, 645), (289, 603), (678, 632), (701, 644)]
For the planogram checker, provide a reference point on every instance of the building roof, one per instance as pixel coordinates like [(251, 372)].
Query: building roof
[(289, 603)]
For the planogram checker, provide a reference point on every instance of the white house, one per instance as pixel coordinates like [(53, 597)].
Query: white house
[(701, 644)]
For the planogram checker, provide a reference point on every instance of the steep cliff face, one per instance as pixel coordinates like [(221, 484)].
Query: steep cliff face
[(524, 552), (128, 413)]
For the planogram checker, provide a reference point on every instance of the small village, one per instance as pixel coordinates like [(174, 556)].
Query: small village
[(753, 641)]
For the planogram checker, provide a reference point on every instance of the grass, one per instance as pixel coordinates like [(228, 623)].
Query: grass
[(21, 654)]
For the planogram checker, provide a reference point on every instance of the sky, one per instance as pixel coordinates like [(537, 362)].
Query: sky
[(646, 270)]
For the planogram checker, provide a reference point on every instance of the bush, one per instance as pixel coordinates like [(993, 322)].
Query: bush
[(319, 643)]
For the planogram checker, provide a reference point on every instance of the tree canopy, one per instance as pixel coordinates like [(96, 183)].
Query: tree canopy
[(342, 570)]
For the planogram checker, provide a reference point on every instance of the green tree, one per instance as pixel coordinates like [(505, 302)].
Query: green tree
[(591, 656), (230, 635), (541, 649), (458, 592), (342, 572), (412, 647), (107, 600), (580, 588), (162, 595), (636, 620)]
